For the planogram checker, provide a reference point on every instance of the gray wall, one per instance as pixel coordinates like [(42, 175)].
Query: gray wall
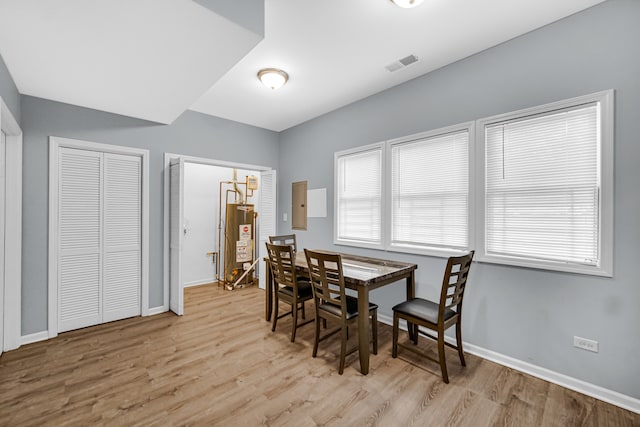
[(531, 315), (248, 13), (8, 91), (191, 134)]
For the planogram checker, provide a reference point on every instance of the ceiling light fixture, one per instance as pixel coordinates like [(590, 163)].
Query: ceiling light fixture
[(407, 4), (273, 78)]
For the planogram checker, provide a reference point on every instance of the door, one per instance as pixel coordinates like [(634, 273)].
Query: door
[(122, 275), (267, 218), (80, 239), (176, 236), (2, 234), (99, 229)]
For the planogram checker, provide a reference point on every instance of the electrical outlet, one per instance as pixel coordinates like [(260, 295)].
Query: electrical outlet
[(585, 344)]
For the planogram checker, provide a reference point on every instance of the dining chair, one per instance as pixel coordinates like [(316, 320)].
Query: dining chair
[(332, 303), (287, 287), (285, 239), (438, 317)]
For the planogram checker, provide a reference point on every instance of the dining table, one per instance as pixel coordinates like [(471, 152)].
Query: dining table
[(361, 274)]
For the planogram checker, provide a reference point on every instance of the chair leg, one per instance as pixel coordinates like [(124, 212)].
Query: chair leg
[(441, 356), (374, 330), (459, 342), (317, 337), (394, 346), (303, 313), (276, 304), (415, 333), (343, 348), (294, 313)]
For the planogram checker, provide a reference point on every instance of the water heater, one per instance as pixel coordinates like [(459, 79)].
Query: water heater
[(239, 240)]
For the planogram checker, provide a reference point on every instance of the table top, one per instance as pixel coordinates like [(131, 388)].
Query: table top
[(365, 271)]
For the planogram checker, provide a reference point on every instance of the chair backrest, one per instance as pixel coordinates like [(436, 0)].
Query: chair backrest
[(285, 239), (454, 283), (327, 279), (282, 260)]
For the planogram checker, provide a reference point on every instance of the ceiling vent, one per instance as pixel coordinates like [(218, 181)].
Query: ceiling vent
[(401, 63)]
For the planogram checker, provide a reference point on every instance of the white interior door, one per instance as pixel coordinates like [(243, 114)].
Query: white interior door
[(122, 275), (80, 239), (267, 218), (176, 236), (2, 234)]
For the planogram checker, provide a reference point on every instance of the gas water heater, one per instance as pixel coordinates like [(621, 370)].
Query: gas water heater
[(239, 240)]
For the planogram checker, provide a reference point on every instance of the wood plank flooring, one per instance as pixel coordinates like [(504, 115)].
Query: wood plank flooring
[(220, 364)]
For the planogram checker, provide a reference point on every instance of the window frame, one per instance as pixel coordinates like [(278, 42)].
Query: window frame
[(605, 267), (383, 188), (469, 127)]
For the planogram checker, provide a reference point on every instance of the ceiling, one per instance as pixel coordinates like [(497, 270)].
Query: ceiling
[(117, 56)]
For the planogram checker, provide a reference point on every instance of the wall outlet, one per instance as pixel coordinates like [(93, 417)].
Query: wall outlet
[(585, 344)]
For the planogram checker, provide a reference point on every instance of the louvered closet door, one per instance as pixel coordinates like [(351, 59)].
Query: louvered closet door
[(267, 219), (80, 239), (122, 236)]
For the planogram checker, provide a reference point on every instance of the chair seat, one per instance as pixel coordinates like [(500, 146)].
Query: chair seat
[(304, 290), (422, 309), (352, 307)]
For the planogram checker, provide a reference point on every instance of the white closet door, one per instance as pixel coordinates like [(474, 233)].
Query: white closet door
[(122, 236), (176, 225), (267, 218), (80, 239)]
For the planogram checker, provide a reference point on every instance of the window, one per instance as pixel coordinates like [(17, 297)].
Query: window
[(430, 191), (547, 186), (542, 192), (358, 190)]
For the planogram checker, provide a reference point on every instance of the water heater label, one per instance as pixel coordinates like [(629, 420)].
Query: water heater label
[(245, 232), (243, 251)]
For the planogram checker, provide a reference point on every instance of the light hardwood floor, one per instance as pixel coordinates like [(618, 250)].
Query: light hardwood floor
[(220, 364)]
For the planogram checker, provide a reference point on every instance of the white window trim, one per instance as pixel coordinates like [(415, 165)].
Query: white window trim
[(384, 188), (444, 252), (55, 143), (606, 100)]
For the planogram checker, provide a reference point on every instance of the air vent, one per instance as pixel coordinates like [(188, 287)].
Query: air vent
[(401, 63)]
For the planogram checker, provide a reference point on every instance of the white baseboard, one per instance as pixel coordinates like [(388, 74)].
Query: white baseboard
[(31, 338), (199, 282), (613, 397), (157, 310)]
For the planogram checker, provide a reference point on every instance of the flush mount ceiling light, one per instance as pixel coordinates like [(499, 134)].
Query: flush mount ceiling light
[(273, 78), (407, 3)]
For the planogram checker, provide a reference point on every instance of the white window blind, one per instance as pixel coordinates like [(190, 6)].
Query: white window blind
[(359, 196), (543, 180), (430, 192)]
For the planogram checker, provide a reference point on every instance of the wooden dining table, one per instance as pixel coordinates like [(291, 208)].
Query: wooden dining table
[(362, 274)]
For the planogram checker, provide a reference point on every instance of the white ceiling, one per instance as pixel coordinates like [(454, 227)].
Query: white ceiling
[(117, 56)]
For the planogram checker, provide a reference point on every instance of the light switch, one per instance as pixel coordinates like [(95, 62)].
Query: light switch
[(284, 217)]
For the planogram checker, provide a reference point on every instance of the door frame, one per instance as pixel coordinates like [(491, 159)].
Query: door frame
[(11, 309), (166, 209), (55, 143)]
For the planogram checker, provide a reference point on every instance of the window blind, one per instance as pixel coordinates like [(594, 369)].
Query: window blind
[(430, 192), (359, 195), (543, 186)]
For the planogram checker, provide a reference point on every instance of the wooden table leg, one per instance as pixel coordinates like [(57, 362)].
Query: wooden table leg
[(268, 292), (363, 329), (411, 294)]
